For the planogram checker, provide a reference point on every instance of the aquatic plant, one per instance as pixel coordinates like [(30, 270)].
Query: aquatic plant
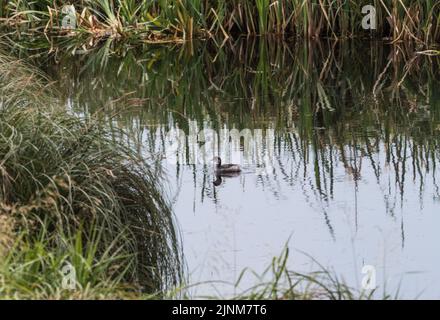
[(174, 20), (278, 282)]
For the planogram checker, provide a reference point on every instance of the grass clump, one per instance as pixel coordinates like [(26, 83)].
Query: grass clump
[(70, 193), (278, 282), (50, 266)]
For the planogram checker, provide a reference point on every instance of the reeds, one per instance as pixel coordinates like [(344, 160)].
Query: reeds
[(278, 282), (173, 20)]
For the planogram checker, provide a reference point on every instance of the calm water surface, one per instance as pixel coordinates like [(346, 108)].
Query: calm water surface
[(354, 154)]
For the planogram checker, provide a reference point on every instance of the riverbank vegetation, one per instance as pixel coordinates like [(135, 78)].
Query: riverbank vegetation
[(72, 197), (177, 20)]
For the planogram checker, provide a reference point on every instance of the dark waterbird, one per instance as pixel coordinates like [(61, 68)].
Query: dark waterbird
[(225, 170)]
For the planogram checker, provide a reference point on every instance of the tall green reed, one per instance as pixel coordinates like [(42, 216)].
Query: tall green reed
[(402, 20)]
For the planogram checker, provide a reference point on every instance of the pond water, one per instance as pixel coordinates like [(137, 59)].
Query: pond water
[(340, 153)]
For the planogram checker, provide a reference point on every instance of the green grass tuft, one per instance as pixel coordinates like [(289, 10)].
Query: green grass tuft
[(64, 179)]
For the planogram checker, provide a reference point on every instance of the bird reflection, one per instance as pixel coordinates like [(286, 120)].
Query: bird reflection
[(219, 177)]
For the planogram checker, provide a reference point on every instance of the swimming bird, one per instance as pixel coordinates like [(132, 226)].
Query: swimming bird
[(225, 169)]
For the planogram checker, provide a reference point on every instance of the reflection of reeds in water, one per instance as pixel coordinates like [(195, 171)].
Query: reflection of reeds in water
[(332, 104)]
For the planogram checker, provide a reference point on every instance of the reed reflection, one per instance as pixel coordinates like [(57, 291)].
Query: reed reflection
[(343, 115)]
